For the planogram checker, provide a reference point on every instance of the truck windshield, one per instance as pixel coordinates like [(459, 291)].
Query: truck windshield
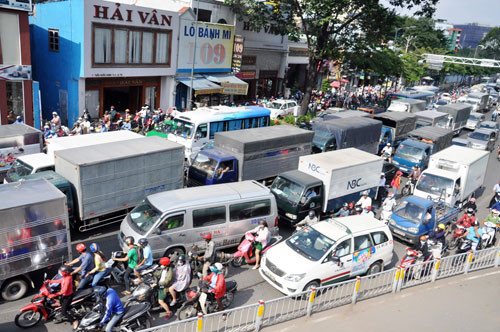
[(434, 184), (487, 125), (310, 243), (442, 123), (409, 152), (409, 211), (143, 217), (287, 190), (19, 170), (182, 128), (205, 164)]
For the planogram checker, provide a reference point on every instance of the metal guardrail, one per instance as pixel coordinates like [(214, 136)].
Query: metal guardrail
[(266, 313)]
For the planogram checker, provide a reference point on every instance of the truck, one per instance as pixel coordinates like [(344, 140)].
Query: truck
[(250, 154), (40, 162), (416, 216), (336, 134), (408, 105), (455, 174), (34, 234), (419, 146), (479, 101), (432, 119), (324, 181), (108, 180), (395, 127), (458, 114)]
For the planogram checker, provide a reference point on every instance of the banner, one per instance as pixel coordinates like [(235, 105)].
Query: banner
[(16, 4), (15, 72), (237, 53), (214, 47)]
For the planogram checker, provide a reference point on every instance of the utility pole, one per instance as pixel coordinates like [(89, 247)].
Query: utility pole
[(190, 93)]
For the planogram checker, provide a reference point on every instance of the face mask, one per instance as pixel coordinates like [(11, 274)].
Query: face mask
[(213, 269), (179, 264)]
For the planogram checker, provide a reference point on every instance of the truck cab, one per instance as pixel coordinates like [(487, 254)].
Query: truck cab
[(212, 166), (29, 164), (412, 152)]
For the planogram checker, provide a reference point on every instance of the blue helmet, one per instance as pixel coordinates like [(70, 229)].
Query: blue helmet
[(94, 247)]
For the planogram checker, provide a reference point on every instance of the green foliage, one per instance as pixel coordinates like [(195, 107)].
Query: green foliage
[(290, 119), (325, 85), (490, 44), (412, 70), (420, 32)]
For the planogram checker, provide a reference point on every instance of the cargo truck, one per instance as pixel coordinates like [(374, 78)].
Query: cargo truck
[(324, 181), (432, 119), (479, 102), (454, 174), (458, 114), (408, 105), (395, 127), (108, 180), (34, 234), (250, 154), (361, 133), (419, 146)]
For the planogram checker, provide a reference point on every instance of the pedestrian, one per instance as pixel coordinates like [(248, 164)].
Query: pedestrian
[(100, 270), (65, 293), (131, 260), (86, 265), (396, 183)]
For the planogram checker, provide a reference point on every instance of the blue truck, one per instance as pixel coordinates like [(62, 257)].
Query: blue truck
[(419, 146), (395, 127), (415, 216)]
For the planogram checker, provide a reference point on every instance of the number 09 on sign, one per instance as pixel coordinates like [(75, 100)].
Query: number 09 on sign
[(208, 54)]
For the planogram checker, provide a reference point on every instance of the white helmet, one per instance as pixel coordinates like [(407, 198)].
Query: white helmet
[(219, 266), (388, 144)]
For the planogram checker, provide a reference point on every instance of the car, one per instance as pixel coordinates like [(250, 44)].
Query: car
[(482, 139), (282, 107), (446, 97), (461, 142), (474, 120), (490, 125)]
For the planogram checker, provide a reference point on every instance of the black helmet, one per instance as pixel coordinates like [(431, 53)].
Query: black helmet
[(66, 269), (358, 209), (143, 241), (129, 240), (470, 211), (182, 258)]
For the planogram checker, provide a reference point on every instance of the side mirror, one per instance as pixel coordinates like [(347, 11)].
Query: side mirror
[(157, 231), (303, 200), (334, 259)]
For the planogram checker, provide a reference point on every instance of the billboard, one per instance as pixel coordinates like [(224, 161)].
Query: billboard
[(16, 4), (15, 72), (214, 47), (237, 53)]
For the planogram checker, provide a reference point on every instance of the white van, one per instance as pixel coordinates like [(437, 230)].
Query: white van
[(329, 251), (174, 221)]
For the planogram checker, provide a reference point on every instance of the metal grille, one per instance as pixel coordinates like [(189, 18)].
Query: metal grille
[(274, 269)]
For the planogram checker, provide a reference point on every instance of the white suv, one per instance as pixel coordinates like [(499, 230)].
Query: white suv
[(281, 107)]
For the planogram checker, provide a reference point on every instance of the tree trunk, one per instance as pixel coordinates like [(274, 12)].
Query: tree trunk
[(311, 80)]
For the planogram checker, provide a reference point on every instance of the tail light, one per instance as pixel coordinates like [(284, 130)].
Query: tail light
[(276, 222)]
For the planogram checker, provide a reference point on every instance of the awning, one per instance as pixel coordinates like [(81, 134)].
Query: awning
[(232, 85), (201, 85)]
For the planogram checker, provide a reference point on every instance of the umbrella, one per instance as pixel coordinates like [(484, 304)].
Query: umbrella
[(335, 84), (343, 80)]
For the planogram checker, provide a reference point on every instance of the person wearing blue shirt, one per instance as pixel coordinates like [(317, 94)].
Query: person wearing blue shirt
[(147, 258), (474, 234), (86, 265), (495, 206), (127, 125), (114, 307), (343, 212)]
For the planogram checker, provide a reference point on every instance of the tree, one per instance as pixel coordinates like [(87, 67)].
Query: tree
[(423, 33), (331, 27), (491, 44)]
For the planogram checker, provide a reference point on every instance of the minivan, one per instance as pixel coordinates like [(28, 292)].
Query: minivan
[(174, 221)]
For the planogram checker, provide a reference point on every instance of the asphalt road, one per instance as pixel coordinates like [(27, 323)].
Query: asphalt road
[(251, 287)]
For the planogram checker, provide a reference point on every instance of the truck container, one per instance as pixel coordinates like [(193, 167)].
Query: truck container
[(251, 154), (419, 146), (41, 162), (479, 102), (395, 127), (324, 181), (33, 234), (458, 114), (108, 180), (408, 105), (431, 119), (454, 174), (336, 134)]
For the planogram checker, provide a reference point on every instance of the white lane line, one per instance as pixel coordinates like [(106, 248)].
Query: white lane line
[(483, 275)]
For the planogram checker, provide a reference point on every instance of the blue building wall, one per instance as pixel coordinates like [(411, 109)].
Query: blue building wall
[(472, 34), (58, 72)]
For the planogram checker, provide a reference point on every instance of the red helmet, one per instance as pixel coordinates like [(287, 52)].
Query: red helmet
[(80, 247), (58, 222), (164, 261), (207, 237), (351, 205), (399, 173), (368, 208)]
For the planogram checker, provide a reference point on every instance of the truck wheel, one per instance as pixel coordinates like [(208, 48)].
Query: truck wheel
[(14, 289)]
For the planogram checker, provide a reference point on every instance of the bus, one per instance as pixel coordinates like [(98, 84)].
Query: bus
[(427, 96), (194, 129)]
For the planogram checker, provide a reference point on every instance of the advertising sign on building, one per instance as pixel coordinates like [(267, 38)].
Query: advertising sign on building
[(237, 53), (15, 72), (214, 47), (16, 4)]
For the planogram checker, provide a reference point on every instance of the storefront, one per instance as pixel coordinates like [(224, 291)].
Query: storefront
[(298, 60)]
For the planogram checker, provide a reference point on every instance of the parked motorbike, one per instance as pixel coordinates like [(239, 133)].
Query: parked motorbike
[(246, 250), (43, 306), (203, 301), (135, 317)]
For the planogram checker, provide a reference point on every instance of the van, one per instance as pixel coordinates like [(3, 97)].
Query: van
[(327, 252), (174, 221)]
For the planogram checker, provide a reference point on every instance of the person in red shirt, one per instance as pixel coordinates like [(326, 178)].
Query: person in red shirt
[(217, 284), (66, 293), (468, 219)]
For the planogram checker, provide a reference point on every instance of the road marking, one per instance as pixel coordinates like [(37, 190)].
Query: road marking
[(317, 320), (483, 275)]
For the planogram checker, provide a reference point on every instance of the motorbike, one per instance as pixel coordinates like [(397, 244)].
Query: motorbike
[(144, 292), (246, 250), (494, 199), (408, 188), (489, 236), (386, 156), (455, 237), (414, 257), (50, 309), (117, 269), (135, 317), (203, 301), (197, 265)]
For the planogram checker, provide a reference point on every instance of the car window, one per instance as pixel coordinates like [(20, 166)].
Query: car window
[(202, 130), (344, 248), (172, 222), (379, 237), (250, 210), (209, 216), (362, 242)]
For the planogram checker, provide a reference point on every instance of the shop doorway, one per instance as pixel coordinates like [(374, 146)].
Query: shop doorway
[(122, 98)]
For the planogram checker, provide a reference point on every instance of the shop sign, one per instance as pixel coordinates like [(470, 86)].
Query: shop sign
[(16, 4), (249, 60), (246, 75), (298, 52), (268, 74), (234, 88), (118, 14), (237, 53), (214, 47), (15, 72)]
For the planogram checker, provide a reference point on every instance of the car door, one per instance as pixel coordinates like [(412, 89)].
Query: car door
[(363, 254), (336, 266), (171, 231)]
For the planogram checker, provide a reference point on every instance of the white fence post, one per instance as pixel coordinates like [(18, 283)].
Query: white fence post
[(312, 296), (199, 326), (397, 275), (468, 261), (401, 279), (497, 259), (356, 289), (260, 314), (435, 270)]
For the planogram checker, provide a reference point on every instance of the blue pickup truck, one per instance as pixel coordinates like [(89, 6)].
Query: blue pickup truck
[(408, 221)]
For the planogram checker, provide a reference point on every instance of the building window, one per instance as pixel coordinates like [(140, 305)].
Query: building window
[(15, 100), (204, 15), (53, 40), (127, 46)]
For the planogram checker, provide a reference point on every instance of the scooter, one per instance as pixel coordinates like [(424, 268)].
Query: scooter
[(43, 306), (203, 301), (408, 188), (117, 269), (414, 257), (455, 237), (246, 250), (489, 236), (144, 292), (494, 199), (197, 265)]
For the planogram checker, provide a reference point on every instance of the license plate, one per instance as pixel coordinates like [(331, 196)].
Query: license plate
[(399, 232), (269, 275)]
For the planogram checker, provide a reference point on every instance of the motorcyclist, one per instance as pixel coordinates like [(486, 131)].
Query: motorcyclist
[(368, 210), (217, 284), (114, 307), (496, 191), (262, 237), (182, 278), (209, 255), (474, 234), (438, 237), (165, 276), (495, 206), (467, 219), (365, 200), (422, 247), (86, 265), (414, 176), (147, 258), (471, 204), (389, 202), (131, 259), (343, 212), (387, 151), (100, 270), (493, 217), (309, 220), (66, 293)]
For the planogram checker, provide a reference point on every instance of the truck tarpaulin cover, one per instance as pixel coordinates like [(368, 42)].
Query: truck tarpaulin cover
[(460, 112), (358, 132), (439, 136), (402, 122), (265, 152)]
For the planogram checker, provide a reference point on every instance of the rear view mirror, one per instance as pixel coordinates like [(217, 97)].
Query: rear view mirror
[(334, 259), (303, 200), (157, 231)]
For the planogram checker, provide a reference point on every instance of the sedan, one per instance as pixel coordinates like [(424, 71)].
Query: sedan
[(482, 139), (490, 125)]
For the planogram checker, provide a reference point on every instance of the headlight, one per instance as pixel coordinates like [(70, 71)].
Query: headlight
[(413, 230), (291, 216), (393, 222), (295, 277)]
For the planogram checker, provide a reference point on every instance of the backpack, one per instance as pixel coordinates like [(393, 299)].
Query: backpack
[(140, 255)]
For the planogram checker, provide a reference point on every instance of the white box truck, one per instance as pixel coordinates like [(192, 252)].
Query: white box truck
[(454, 175)]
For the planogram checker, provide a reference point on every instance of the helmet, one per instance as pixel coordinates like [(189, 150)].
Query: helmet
[(207, 237), (165, 261), (54, 113), (369, 208), (182, 258), (472, 200), (65, 269), (58, 222), (143, 241), (441, 226), (470, 211), (365, 193), (80, 247), (345, 205), (129, 240), (94, 247), (399, 173), (127, 110), (423, 238), (358, 209), (351, 205), (218, 266), (495, 211), (112, 106), (19, 117), (312, 214), (388, 144)]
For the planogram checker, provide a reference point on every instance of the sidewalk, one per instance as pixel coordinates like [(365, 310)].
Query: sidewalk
[(463, 303)]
